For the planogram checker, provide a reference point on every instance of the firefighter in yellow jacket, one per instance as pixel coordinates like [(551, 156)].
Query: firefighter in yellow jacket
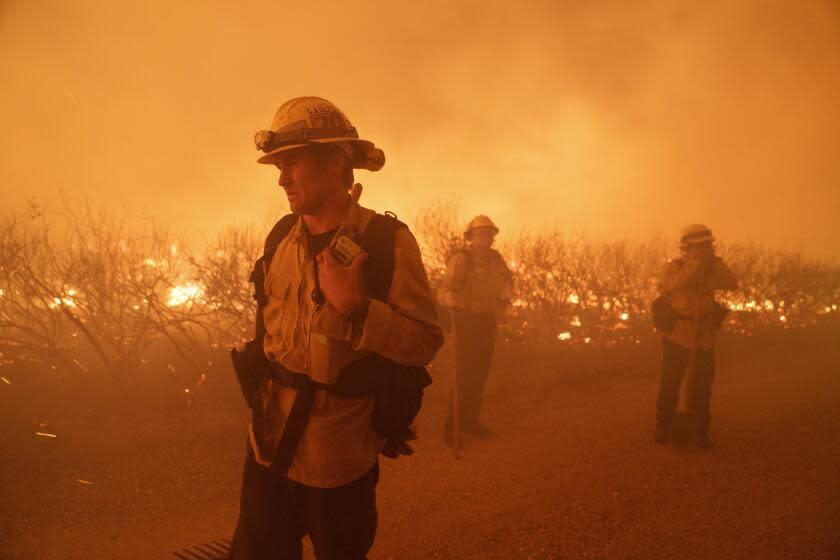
[(477, 288), (688, 286), (312, 460)]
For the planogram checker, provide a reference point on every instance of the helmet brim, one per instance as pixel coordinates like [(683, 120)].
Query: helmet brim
[(698, 241), (270, 158), (472, 229)]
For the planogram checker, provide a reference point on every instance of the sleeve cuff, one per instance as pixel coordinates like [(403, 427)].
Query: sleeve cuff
[(359, 315), (376, 328)]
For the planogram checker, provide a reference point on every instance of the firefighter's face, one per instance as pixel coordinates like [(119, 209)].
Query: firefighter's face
[(305, 179), (483, 237), (700, 251)]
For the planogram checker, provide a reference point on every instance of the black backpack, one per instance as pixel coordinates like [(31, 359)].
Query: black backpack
[(665, 317), (397, 388)]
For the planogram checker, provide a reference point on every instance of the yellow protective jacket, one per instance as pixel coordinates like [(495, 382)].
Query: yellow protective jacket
[(690, 286), (339, 443), (477, 281)]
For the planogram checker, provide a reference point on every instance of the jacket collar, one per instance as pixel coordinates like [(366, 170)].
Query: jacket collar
[(350, 225)]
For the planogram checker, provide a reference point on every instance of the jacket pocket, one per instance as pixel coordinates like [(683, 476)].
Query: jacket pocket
[(330, 347), (278, 317)]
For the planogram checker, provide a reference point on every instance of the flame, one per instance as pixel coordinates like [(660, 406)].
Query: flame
[(66, 299), (184, 293)]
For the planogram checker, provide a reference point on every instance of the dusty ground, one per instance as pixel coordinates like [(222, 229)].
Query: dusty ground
[(572, 474)]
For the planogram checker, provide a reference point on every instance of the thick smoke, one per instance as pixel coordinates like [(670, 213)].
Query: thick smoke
[(616, 120)]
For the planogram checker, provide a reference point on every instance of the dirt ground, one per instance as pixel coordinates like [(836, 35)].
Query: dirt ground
[(573, 473)]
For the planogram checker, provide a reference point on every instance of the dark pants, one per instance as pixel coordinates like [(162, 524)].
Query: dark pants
[(275, 513), (674, 363), (475, 336)]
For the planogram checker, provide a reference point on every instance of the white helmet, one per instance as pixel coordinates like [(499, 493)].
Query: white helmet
[(695, 234), (304, 121), (480, 221)]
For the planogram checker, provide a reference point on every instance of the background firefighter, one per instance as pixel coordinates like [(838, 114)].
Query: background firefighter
[(477, 289), (687, 287)]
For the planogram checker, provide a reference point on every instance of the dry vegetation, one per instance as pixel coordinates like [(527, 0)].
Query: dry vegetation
[(97, 294), (574, 290)]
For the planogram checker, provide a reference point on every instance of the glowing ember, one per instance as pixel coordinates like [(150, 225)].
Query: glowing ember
[(625, 316), (564, 336), (44, 434), (573, 299), (80, 364), (575, 322), (85, 482), (6, 381)]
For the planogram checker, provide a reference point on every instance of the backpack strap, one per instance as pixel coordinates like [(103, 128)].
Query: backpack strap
[(500, 260), (379, 242), (280, 230)]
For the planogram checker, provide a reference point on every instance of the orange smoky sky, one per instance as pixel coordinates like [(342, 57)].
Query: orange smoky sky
[(609, 118)]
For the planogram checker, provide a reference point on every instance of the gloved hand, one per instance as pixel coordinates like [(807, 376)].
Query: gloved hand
[(396, 446)]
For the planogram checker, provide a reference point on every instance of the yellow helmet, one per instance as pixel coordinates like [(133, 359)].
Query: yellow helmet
[(480, 221), (695, 234), (306, 120)]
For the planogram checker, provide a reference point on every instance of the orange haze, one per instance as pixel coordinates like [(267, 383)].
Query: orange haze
[(625, 118)]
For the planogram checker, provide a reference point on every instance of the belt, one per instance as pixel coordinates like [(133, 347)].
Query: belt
[(682, 317), (352, 382), (289, 441)]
